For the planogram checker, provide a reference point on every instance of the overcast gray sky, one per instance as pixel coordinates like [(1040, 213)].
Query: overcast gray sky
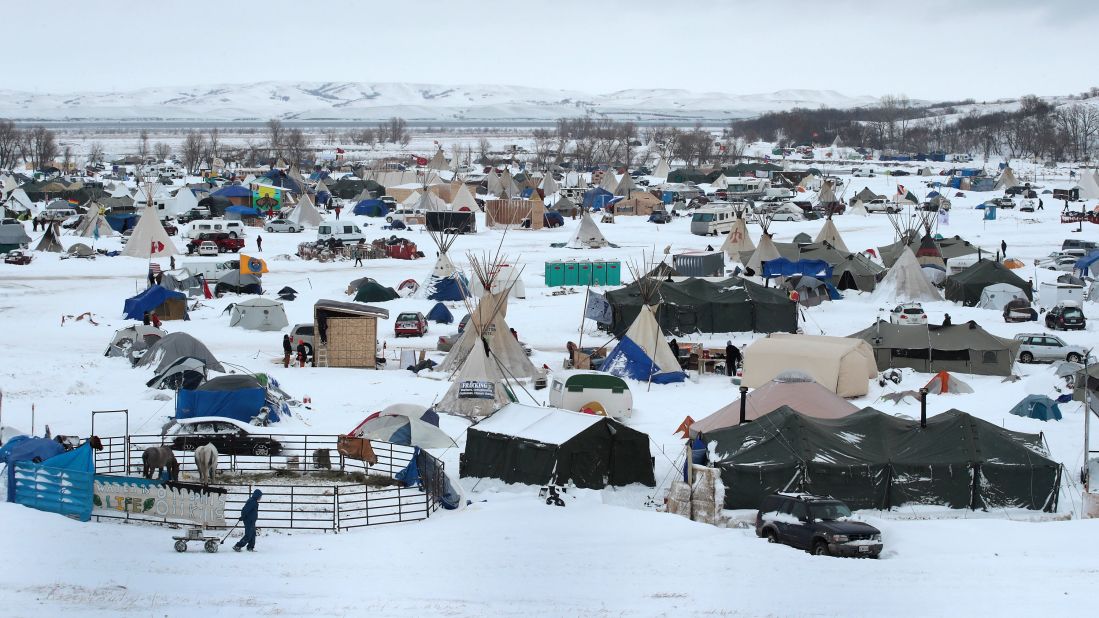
[(933, 49)]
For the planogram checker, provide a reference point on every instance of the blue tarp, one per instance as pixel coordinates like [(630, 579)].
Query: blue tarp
[(1084, 263), (597, 198), (243, 404), (440, 314), (61, 483), (149, 300), (371, 208), (1038, 407), (782, 267), (243, 211), (233, 191), (322, 198), (629, 360), (122, 221), (448, 288)]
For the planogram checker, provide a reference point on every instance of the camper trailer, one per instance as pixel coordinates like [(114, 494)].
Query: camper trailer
[(584, 390), (194, 229), (717, 218), (747, 188)]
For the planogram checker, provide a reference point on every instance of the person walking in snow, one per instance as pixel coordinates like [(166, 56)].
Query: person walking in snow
[(249, 513), (1003, 247), (732, 358), (673, 345), (259, 243), (287, 349)]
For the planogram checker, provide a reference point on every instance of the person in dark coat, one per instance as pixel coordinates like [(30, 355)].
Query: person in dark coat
[(301, 352), (732, 358), (259, 243), (249, 513), (287, 349), (1003, 247), (145, 319), (1041, 204), (674, 345), (946, 320)]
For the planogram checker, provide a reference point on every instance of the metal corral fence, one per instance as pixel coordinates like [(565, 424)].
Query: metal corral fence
[(308, 504)]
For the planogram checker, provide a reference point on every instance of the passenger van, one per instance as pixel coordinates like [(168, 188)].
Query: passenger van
[(713, 220), (343, 231), (235, 229)]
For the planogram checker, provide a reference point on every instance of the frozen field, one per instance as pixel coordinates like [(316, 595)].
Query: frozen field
[(607, 553)]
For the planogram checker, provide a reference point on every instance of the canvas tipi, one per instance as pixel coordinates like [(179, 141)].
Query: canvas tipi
[(609, 181), (662, 170), (643, 353), (549, 185), (738, 240), (438, 162), (588, 235), (625, 187), (1088, 186), (766, 250), (444, 282), (49, 242), (149, 239), (1006, 180), (905, 282), (464, 200), (93, 225), (829, 234), (721, 182), (478, 388), (305, 213)]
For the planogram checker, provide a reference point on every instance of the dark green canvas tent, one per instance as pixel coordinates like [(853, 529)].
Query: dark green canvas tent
[(948, 248), (850, 271), (966, 286), (696, 305), (964, 348), (540, 446), (875, 460), (370, 291)]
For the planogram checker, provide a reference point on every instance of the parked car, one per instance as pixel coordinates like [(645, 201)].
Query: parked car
[(403, 214), (1003, 202), (207, 247), (446, 342), (862, 172), (660, 216), (194, 214), (1087, 246), (908, 314), (282, 225), (1066, 316), (225, 242), (1058, 261), (231, 437), (1042, 347), (1019, 310), (821, 526), (170, 228), (900, 173), (17, 257), (410, 324), (881, 204)]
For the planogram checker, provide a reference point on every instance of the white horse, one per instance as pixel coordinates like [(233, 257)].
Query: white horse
[(206, 458)]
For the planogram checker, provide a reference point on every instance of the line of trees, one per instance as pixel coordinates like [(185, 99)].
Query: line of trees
[(37, 146), (1030, 127)]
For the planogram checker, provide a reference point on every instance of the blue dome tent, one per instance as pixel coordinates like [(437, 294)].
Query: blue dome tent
[(371, 208), (440, 314), (1038, 407)]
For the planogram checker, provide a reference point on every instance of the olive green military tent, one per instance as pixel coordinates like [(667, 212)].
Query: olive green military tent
[(964, 348), (873, 460), (966, 286)]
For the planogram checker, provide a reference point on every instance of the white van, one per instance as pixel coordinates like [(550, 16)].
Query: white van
[(713, 220), (204, 226), (343, 231)]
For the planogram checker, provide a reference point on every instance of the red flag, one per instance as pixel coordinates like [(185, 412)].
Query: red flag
[(685, 427), (339, 151), (900, 190), (206, 290), (156, 246)]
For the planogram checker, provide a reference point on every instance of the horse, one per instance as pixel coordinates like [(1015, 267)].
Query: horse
[(206, 458), (155, 459)]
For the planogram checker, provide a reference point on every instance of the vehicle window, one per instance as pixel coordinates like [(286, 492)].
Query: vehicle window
[(1072, 312), (800, 511), (787, 505), (702, 217), (913, 311), (829, 511), (1049, 341)]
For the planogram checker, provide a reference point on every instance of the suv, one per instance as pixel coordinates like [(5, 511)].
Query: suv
[(410, 324), (908, 314), (821, 526), (1042, 347), (1066, 316), (881, 204), (226, 243)]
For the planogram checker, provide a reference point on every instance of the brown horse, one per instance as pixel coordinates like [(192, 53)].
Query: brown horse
[(155, 459)]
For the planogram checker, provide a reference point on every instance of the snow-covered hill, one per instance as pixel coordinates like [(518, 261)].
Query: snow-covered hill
[(336, 101)]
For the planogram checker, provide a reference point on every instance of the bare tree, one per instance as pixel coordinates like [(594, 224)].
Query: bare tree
[(194, 147), (95, 153), (394, 130), (67, 158), (215, 143), (297, 145), (162, 150), (41, 146), (11, 140), (484, 148), (143, 145), (276, 135), (1079, 123)]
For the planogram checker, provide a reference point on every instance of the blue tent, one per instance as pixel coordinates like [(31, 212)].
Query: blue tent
[(629, 360), (240, 212), (440, 314), (233, 191), (322, 197), (782, 267), (371, 208), (236, 396), (1084, 263), (279, 178), (1038, 407), (597, 198), (149, 300), (121, 222), (454, 287)]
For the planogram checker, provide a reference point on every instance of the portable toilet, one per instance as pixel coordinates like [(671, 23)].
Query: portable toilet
[(555, 273), (614, 273), (571, 273), (593, 392), (583, 273), (599, 273)]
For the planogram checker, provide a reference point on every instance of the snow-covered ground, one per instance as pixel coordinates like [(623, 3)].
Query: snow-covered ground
[(606, 553)]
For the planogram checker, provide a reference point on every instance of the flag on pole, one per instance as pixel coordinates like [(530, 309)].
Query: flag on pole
[(252, 265), (95, 231), (597, 308)]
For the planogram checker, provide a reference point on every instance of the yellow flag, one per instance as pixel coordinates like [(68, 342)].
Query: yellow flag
[(252, 265)]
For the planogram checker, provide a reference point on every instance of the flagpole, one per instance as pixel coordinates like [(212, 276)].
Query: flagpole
[(583, 316)]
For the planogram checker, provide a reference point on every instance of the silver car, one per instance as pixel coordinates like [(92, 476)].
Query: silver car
[(282, 225), (1042, 347)]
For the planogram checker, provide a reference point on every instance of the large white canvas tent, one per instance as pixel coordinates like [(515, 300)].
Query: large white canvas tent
[(149, 239), (997, 295), (843, 365), (906, 282), (588, 235)]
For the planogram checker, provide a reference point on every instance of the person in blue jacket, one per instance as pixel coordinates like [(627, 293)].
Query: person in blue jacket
[(249, 513)]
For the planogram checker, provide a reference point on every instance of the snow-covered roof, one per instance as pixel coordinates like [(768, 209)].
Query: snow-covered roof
[(545, 425)]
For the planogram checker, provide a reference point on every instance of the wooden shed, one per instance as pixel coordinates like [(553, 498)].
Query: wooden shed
[(346, 334)]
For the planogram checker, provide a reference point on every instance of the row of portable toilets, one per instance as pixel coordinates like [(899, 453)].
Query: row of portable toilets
[(583, 272)]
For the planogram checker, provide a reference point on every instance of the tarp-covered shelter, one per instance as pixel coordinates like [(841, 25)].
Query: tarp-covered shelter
[(440, 314), (873, 460), (643, 354), (793, 389), (236, 282), (238, 396), (966, 286), (136, 337), (186, 372), (43, 476), (963, 348), (168, 305), (370, 291), (840, 364), (697, 305), (541, 446)]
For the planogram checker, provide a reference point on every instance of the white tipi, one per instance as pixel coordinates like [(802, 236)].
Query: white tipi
[(906, 282), (829, 234), (305, 213), (463, 200), (662, 170), (149, 239), (738, 240), (1088, 186), (588, 235)]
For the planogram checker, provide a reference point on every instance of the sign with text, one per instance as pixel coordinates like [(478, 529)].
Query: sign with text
[(476, 389), (158, 500)]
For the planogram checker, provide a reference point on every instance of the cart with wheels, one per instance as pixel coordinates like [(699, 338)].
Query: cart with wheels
[(209, 543)]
